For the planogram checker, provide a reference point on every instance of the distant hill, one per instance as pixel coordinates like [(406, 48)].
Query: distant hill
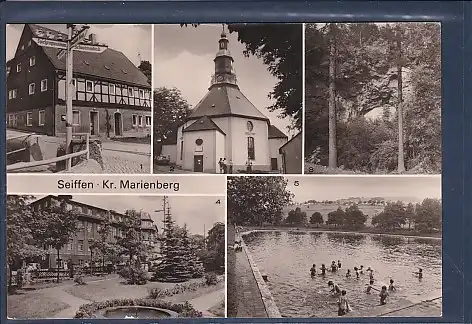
[(366, 200)]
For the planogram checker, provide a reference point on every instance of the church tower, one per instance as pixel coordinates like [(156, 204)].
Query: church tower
[(224, 70)]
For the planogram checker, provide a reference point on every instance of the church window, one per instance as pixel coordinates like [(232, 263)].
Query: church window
[(251, 155), (250, 126), (181, 150), (199, 142)]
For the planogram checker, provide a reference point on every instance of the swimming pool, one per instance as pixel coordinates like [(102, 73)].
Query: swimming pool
[(286, 257)]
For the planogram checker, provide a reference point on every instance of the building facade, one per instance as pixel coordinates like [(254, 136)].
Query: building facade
[(111, 98), (226, 125), (291, 153), (90, 219)]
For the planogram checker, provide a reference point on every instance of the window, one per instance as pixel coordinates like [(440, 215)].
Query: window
[(135, 120), (81, 262), (148, 120), (130, 92), (250, 148), (10, 119), (31, 88), (74, 82), (89, 86), (18, 67), (140, 119), (32, 61), (44, 85), (70, 245), (111, 89), (136, 93), (10, 94), (141, 93), (15, 93), (81, 246), (29, 119), (89, 227), (181, 150), (42, 117), (8, 69), (75, 117), (23, 47)]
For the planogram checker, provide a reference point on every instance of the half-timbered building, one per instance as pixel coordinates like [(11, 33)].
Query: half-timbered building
[(111, 97)]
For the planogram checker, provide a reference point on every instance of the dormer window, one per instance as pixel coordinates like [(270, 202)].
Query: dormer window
[(124, 71), (86, 63), (32, 61), (23, 47), (107, 67), (18, 67)]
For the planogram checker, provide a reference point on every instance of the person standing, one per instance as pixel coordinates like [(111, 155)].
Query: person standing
[(343, 304), (230, 165)]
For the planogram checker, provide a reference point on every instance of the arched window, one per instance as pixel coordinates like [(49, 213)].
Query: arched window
[(251, 153)]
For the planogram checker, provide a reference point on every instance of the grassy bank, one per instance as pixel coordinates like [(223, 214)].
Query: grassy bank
[(365, 230), (33, 306)]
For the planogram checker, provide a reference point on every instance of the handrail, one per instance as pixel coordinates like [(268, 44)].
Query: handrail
[(16, 151), (24, 165), (19, 136)]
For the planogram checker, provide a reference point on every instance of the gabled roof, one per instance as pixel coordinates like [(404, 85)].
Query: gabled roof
[(226, 100), (274, 132), (202, 124), (110, 64), (290, 141)]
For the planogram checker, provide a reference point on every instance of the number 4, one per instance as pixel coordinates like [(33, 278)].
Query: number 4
[(218, 202)]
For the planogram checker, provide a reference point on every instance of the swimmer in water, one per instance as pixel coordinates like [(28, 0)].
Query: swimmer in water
[(391, 287), (357, 272), (343, 304), (361, 270), (334, 268), (383, 295), (419, 273), (371, 276), (348, 273), (369, 287), (334, 288), (339, 264), (313, 270), (323, 269)]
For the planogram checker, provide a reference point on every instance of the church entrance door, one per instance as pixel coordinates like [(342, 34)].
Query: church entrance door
[(198, 163), (274, 165)]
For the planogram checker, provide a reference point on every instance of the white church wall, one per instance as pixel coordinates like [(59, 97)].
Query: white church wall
[(275, 144), (220, 148), (239, 135), (207, 149)]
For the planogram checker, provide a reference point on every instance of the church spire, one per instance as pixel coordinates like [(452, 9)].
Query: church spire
[(224, 71)]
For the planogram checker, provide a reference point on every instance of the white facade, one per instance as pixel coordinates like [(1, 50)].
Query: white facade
[(275, 144)]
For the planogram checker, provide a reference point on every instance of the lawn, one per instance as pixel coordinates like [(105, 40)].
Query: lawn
[(33, 306), (188, 295)]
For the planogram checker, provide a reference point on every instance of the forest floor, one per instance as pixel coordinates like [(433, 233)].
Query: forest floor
[(311, 168)]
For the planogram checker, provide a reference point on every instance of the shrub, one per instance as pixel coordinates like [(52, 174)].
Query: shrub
[(184, 310), (134, 275), (211, 279), (157, 293), (19, 279)]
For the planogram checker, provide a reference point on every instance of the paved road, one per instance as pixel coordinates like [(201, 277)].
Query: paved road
[(125, 162), (205, 302)]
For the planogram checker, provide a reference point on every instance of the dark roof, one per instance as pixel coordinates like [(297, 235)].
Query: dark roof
[(290, 141), (110, 64), (226, 100), (274, 132), (202, 124)]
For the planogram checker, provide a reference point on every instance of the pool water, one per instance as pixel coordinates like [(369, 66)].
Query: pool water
[(286, 257)]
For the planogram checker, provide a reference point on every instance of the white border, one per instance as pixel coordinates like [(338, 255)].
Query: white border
[(226, 246), (151, 168), (303, 98)]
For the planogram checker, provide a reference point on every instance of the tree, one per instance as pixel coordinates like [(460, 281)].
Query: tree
[(146, 68), (399, 62), (333, 159), (19, 217), (102, 244), (392, 217), (280, 48), (354, 217), (55, 225), (336, 218), (410, 214), (316, 218), (214, 256), (429, 215), (170, 112), (178, 260), (130, 239), (296, 217), (256, 200)]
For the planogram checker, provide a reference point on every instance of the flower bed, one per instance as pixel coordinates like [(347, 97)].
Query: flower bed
[(90, 310), (210, 279)]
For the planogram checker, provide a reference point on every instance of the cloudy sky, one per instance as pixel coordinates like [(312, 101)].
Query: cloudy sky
[(332, 188), (183, 58), (132, 40), (197, 212)]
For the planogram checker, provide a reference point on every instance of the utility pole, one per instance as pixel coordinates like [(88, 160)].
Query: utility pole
[(69, 92)]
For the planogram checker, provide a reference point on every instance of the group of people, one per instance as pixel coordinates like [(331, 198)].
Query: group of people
[(343, 304), (225, 166)]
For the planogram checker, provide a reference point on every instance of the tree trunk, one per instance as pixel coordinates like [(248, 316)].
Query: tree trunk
[(401, 159), (332, 99), (57, 264)]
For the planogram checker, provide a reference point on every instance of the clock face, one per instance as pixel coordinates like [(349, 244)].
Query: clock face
[(250, 126), (219, 78)]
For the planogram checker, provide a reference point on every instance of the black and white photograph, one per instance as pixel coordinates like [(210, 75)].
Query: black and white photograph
[(115, 257), (373, 98), (79, 98), (228, 98), (323, 247)]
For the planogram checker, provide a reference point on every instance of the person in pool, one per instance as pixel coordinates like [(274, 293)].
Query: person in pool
[(391, 287), (357, 272), (369, 287), (323, 269), (334, 268), (339, 264), (371, 276), (313, 270), (334, 288), (383, 295), (343, 304), (419, 273), (361, 270), (348, 273)]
